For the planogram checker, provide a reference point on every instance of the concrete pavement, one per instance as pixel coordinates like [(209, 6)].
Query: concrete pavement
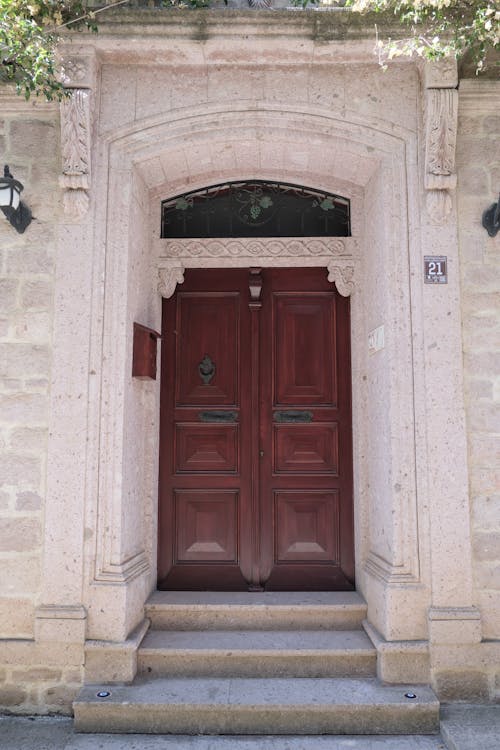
[(471, 727), (54, 733), (463, 727)]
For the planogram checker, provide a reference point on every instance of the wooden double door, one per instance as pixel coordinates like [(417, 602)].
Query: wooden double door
[(255, 456)]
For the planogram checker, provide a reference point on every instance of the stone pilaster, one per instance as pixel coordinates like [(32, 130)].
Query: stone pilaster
[(453, 620)]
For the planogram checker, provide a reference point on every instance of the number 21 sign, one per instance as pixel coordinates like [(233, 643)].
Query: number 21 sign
[(435, 270)]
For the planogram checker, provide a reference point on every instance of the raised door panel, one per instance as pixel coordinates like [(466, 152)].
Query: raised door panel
[(305, 449), (206, 526), (206, 448), (207, 333), (307, 525), (304, 349)]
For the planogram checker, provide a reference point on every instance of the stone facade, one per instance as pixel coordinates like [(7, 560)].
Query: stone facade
[(478, 157), (185, 105)]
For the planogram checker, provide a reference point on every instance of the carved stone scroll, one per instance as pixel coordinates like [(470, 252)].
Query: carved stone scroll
[(168, 280), (343, 278), (75, 152)]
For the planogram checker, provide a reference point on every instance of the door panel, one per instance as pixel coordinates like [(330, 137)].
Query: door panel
[(204, 457), (304, 344), (305, 449), (209, 325), (306, 525), (206, 525), (255, 459), (305, 481), (206, 448)]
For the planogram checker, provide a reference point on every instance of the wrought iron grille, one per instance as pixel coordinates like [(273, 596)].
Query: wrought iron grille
[(256, 209)]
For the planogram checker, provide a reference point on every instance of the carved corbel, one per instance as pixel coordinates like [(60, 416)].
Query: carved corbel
[(343, 278), (75, 151), (440, 138), (168, 280), (78, 69)]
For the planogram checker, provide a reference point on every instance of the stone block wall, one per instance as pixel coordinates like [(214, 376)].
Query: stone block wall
[(478, 162), (29, 145)]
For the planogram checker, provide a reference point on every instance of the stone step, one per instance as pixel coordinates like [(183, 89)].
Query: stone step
[(300, 706), (212, 610), (275, 653)]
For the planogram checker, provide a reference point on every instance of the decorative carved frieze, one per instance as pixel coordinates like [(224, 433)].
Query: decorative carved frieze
[(255, 248), (336, 254), (75, 152), (168, 280)]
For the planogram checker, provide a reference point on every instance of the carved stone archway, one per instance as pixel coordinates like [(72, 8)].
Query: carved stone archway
[(142, 166)]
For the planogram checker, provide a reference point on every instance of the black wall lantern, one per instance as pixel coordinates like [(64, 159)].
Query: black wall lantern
[(491, 218), (11, 204)]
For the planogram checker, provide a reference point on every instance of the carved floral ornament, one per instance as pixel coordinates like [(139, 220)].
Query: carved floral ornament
[(440, 139), (78, 72), (75, 152), (335, 254)]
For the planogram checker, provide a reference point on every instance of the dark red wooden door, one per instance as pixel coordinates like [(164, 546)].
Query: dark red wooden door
[(255, 458)]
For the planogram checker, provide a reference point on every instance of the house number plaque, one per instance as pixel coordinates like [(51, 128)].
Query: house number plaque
[(435, 269)]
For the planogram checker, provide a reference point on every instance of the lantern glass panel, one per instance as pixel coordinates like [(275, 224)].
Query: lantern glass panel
[(16, 198), (6, 195)]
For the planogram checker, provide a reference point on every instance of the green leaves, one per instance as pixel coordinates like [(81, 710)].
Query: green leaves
[(439, 27), (29, 31)]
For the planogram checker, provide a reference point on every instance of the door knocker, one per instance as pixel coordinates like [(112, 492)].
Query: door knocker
[(206, 368)]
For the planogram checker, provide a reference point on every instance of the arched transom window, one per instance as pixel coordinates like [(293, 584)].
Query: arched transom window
[(256, 209)]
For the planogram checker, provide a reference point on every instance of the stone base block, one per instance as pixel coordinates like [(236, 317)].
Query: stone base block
[(465, 672), (401, 662), (461, 685), (106, 661)]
